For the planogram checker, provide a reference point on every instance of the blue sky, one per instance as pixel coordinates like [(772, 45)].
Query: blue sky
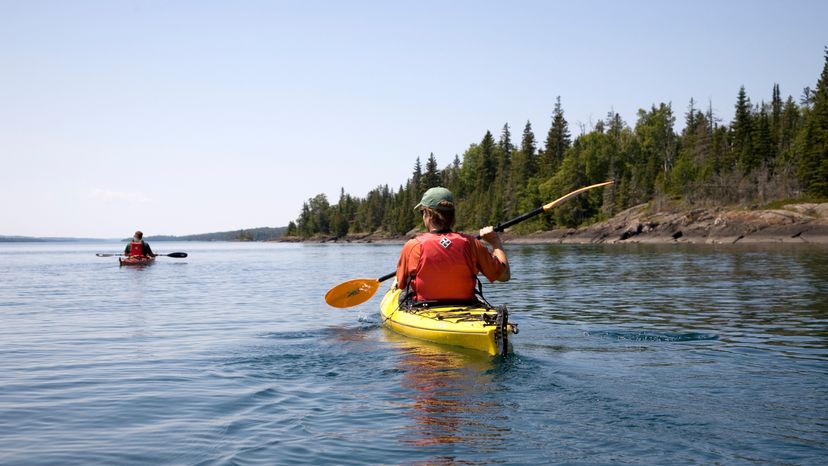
[(181, 117)]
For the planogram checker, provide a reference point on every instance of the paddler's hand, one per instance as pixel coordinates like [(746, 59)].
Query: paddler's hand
[(490, 236)]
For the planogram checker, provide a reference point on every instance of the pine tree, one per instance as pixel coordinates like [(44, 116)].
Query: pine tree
[(684, 171), (504, 158), (742, 133), (529, 148), (291, 229), (557, 142), (304, 223), (341, 216), (613, 202), (790, 125), (763, 146), (431, 178), (451, 177), (505, 142), (776, 116), (813, 165), (488, 167), (417, 178), (469, 171), (518, 177)]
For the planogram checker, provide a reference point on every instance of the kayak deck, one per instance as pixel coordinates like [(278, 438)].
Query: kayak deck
[(469, 326)]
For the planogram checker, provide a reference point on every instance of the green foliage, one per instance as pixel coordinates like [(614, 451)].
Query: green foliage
[(767, 153), (813, 139), (291, 229)]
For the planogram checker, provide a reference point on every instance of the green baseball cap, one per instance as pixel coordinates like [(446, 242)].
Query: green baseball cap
[(434, 196)]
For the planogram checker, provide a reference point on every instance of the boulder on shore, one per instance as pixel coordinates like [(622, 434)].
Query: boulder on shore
[(795, 223)]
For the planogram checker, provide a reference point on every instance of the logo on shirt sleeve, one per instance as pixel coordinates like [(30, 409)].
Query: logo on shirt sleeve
[(445, 242)]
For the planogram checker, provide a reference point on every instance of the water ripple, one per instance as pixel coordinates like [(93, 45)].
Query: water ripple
[(627, 354)]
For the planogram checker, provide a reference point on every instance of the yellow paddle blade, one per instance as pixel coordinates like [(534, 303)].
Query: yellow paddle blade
[(352, 292)]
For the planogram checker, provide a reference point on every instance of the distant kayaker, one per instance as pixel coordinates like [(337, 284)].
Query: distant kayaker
[(138, 247), (442, 265)]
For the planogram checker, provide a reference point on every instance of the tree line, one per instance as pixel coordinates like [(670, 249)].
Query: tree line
[(770, 151), (250, 234)]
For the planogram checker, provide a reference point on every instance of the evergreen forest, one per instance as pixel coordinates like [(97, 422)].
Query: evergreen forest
[(770, 151)]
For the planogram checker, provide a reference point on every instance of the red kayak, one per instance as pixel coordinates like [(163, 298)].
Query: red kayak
[(136, 260)]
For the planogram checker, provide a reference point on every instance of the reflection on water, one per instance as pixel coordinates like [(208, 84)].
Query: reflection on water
[(764, 298), (445, 385)]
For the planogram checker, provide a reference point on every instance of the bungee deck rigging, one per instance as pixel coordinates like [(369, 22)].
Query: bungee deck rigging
[(477, 326)]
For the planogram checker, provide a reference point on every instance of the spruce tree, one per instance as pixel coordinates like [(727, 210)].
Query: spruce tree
[(305, 222), (557, 142), (505, 142), (776, 116), (791, 122), (488, 164), (612, 202), (431, 178), (763, 147), (450, 177), (291, 229), (504, 159), (529, 148), (742, 133), (813, 165), (416, 178)]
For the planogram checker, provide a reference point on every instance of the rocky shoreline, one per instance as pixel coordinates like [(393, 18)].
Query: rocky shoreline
[(794, 223)]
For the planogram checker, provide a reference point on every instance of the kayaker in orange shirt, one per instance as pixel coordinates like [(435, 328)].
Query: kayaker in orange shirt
[(138, 247), (442, 265)]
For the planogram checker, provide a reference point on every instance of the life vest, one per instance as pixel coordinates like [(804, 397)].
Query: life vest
[(136, 249), (446, 270)]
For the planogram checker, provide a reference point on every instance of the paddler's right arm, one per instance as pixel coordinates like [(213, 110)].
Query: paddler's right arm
[(492, 237)]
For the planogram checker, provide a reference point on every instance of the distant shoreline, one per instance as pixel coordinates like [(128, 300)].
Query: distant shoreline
[(240, 235), (47, 239), (805, 223)]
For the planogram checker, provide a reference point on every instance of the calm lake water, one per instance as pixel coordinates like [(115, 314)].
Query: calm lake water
[(673, 354)]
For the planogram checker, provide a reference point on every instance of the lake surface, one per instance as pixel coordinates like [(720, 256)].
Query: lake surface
[(642, 354)]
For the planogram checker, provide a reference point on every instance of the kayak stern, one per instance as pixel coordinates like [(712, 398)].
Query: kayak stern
[(473, 327)]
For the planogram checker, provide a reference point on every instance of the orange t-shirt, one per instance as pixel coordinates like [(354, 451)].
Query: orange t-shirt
[(484, 261)]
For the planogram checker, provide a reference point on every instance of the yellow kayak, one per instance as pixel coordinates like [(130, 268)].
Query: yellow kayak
[(470, 326)]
